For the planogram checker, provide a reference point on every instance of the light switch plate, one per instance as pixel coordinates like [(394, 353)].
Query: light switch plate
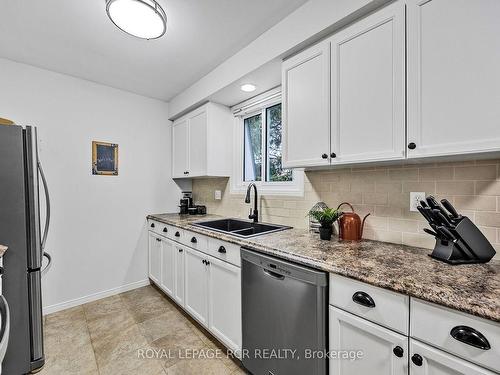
[(217, 195), (415, 198)]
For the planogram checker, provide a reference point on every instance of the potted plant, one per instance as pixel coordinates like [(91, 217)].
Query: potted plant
[(326, 217)]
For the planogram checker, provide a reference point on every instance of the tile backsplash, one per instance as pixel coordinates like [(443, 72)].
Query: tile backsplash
[(472, 186)]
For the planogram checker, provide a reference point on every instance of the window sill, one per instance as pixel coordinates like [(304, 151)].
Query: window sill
[(291, 189)]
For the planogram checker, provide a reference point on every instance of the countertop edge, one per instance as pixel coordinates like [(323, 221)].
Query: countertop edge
[(418, 292)]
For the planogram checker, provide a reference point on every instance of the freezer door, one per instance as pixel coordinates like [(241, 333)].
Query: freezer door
[(36, 322), (32, 183)]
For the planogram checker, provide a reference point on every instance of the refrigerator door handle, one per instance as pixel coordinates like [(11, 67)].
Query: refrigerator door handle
[(5, 328), (49, 264), (47, 202)]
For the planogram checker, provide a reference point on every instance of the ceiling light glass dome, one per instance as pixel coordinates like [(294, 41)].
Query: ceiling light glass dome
[(141, 18)]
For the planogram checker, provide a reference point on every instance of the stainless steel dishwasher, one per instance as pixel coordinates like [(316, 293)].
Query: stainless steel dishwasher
[(284, 307)]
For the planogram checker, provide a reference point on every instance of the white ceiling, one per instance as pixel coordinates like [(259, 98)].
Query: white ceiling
[(77, 38)]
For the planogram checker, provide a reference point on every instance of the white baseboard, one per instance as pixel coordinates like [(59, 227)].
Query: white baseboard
[(93, 297)]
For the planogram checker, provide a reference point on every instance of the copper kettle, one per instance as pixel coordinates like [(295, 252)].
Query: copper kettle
[(350, 224)]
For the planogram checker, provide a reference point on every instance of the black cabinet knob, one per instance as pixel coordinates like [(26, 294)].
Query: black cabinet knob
[(203, 261), (333, 155), (177, 234), (398, 351), (363, 299), (222, 250), (412, 146), (165, 230), (324, 156), (417, 359), (207, 262), (194, 240), (152, 225)]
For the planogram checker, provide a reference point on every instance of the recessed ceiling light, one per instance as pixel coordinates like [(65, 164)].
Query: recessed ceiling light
[(248, 87), (141, 18)]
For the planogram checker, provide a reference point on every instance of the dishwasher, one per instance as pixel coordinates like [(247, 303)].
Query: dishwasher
[(284, 316)]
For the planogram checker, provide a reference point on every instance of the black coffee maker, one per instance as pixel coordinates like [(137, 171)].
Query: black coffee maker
[(186, 202)]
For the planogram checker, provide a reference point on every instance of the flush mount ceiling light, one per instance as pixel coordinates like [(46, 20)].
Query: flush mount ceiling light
[(248, 87), (141, 18)]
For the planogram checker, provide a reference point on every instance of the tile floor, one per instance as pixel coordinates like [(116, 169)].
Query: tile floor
[(118, 335)]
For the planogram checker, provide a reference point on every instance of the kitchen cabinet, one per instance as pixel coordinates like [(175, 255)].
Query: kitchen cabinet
[(202, 143), (426, 360), (368, 88), (224, 284), (167, 266), (154, 261), (384, 352), (179, 275), (453, 77), (196, 287), (306, 107)]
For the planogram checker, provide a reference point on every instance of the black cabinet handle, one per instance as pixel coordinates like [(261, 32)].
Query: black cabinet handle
[(186, 172), (165, 230), (333, 155), (470, 336), (203, 261), (324, 156), (398, 351), (412, 146), (417, 359), (152, 225), (180, 250), (158, 240), (207, 262), (363, 299), (177, 234), (222, 250), (194, 240)]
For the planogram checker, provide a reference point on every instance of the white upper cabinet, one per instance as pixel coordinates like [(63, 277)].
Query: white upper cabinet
[(367, 88), (453, 76), (306, 107), (202, 142)]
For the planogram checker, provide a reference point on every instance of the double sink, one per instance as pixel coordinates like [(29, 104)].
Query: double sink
[(240, 228)]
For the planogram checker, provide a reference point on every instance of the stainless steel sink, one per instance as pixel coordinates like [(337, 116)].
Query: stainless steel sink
[(240, 228)]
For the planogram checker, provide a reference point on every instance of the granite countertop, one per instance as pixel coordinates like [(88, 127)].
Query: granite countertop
[(474, 289), (3, 249)]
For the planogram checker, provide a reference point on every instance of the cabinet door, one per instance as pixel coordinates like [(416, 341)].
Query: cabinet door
[(378, 344), (453, 76), (179, 275), (368, 88), (225, 302), (196, 286), (167, 266), (154, 261), (198, 143), (306, 107), (180, 148), (425, 360)]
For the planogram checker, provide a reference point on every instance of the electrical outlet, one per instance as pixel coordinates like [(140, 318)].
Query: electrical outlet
[(415, 198), (217, 195)]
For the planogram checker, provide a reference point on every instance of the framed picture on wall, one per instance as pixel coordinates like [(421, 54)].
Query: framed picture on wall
[(104, 158)]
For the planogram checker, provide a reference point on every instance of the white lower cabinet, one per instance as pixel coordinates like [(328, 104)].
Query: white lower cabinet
[(224, 284), (154, 261), (384, 352), (167, 266), (196, 287), (426, 360), (179, 255)]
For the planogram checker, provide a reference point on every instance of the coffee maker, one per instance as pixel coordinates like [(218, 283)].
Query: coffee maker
[(186, 202)]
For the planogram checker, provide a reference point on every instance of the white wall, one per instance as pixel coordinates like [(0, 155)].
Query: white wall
[(98, 237)]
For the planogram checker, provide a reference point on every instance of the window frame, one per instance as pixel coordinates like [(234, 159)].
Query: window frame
[(238, 185)]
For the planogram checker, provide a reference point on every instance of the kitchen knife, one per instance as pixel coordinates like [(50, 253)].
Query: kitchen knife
[(442, 219), (433, 203), (424, 203), (426, 230), (451, 209)]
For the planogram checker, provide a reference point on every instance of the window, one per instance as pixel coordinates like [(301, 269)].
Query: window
[(258, 150), (262, 147)]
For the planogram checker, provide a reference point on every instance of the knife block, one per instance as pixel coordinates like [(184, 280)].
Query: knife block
[(471, 246)]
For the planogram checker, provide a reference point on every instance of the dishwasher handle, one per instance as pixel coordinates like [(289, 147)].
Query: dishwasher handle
[(274, 275)]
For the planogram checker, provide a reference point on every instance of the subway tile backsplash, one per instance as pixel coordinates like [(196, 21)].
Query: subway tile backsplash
[(472, 186)]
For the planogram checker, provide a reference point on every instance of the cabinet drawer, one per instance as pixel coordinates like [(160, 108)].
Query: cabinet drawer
[(434, 324), (195, 241), (225, 251), (156, 227), (378, 305)]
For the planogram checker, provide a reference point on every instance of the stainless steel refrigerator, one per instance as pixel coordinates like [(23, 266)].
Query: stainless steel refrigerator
[(20, 229)]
